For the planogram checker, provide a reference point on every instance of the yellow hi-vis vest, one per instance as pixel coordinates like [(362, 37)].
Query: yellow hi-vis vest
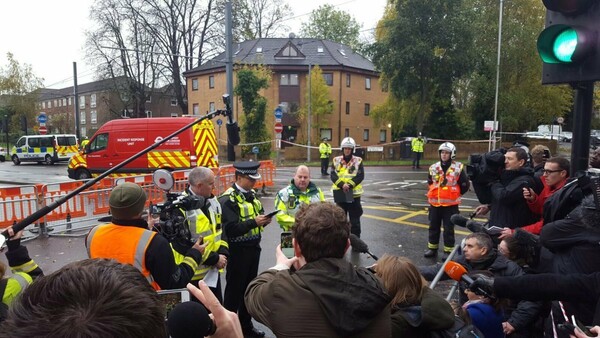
[(14, 286), (209, 228), (248, 210), (325, 149), (346, 172), (417, 145), (289, 200), (443, 194)]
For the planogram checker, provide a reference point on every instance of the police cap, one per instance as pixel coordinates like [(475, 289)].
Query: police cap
[(247, 168)]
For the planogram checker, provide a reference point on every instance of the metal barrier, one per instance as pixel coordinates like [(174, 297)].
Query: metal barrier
[(83, 211), (441, 272)]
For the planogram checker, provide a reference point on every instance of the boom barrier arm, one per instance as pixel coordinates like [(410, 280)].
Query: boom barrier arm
[(47, 209)]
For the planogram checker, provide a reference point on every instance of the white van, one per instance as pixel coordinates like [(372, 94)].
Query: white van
[(46, 149)]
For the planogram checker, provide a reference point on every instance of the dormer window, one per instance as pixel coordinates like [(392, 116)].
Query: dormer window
[(343, 52), (289, 51), (320, 49), (259, 49)]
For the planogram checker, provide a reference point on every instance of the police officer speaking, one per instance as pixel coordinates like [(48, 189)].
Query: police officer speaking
[(243, 223)]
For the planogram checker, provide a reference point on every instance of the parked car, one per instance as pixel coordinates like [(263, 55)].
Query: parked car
[(566, 136), (537, 135)]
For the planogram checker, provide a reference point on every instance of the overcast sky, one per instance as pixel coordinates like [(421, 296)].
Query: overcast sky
[(49, 35)]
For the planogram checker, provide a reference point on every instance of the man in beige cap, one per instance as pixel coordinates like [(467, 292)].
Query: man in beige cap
[(128, 241)]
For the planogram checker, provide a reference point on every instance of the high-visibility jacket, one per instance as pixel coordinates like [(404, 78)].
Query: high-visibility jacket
[(346, 172), (445, 190), (13, 287), (289, 200), (209, 227), (84, 143), (417, 145), (248, 210), (125, 244), (325, 149)]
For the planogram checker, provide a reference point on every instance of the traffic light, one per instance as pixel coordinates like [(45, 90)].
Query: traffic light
[(569, 46)]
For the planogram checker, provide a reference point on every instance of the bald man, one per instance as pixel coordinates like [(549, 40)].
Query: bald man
[(289, 199)]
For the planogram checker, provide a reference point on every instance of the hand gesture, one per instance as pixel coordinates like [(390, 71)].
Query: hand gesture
[(200, 245), (529, 195), (227, 322)]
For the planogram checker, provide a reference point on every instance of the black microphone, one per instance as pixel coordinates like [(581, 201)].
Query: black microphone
[(360, 246), (190, 319), (458, 219), (233, 131)]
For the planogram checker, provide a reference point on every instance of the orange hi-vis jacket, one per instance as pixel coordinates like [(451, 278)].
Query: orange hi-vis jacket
[(125, 244), (444, 191)]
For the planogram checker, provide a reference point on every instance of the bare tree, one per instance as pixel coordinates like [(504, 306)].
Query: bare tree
[(257, 19)]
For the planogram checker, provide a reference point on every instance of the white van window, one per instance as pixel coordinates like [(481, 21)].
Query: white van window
[(21, 142), (34, 142), (45, 141), (66, 140), (99, 142)]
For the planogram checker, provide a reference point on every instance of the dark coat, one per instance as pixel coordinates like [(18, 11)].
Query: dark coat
[(508, 207), (434, 313)]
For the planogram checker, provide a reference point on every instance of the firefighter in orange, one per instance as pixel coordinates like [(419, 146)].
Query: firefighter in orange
[(447, 181), (128, 240)]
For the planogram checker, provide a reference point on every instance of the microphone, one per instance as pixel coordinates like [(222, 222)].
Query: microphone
[(360, 246), (190, 319), (233, 131), (459, 273), (458, 219)]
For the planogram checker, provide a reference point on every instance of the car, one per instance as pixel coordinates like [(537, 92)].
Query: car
[(3, 154), (537, 135), (566, 136)]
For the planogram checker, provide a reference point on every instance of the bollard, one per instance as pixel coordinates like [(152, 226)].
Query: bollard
[(69, 223)]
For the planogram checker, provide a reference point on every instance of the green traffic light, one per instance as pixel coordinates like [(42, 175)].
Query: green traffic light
[(565, 44)]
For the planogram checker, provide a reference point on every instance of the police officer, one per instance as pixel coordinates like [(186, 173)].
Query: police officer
[(24, 271), (85, 142), (128, 241), (205, 223), (447, 182), (243, 223), (346, 174), (417, 147), (289, 199), (325, 151)]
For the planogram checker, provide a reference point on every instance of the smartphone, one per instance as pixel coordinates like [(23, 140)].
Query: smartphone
[(582, 327), (170, 298), (271, 214), (286, 244), (567, 328)]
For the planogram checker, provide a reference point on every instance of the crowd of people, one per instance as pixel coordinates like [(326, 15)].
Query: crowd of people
[(538, 275)]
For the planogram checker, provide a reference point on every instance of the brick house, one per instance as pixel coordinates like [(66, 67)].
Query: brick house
[(99, 102), (352, 79)]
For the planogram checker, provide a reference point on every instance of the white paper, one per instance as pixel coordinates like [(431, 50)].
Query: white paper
[(212, 277)]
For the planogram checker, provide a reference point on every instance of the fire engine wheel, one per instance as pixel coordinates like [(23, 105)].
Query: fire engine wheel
[(82, 174), (16, 160), (48, 160)]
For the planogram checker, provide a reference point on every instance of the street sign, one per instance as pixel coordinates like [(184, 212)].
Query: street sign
[(42, 130), (278, 113), (42, 118), (490, 125), (255, 150), (277, 120), (278, 136), (560, 120), (219, 122), (278, 127)]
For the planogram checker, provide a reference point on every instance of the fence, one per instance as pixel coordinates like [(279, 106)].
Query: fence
[(86, 208)]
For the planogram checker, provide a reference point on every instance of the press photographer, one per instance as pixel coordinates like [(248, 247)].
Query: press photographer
[(128, 240)]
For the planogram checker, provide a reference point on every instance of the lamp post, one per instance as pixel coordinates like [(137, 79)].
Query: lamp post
[(495, 126)]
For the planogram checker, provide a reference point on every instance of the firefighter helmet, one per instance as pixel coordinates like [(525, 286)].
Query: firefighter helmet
[(449, 147)]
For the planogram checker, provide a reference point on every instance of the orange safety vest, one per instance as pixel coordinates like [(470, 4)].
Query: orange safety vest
[(125, 244), (443, 194)]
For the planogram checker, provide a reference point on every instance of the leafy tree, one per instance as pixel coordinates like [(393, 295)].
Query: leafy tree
[(250, 81), (18, 92), (419, 63), (255, 19), (320, 102), (326, 22)]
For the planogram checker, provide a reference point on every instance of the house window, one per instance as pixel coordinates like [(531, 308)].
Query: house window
[(368, 83), (173, 102), (367, 109), (211, 107), (82, 117), (125, 114), (366, 135), (348, 78), (149, 99), (64, 102), (69, 100), (173, 114), (49, 104), (82, 101), (93, 101), (325, 133), (148, 113), (289, 51), (211, 81), (346, 132), (288, 80), (55, 103), (93, 117), (347, 108), (194, 84), (83, 130), (328, 77), (44, 104), (195, 109), (382, 135)]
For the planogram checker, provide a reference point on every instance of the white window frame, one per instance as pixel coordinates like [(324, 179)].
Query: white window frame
[(82, 101), (93, 117), (82, 117), (93, 101)]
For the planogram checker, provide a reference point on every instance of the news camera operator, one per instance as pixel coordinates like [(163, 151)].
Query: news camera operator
[(503, 190), (205, 222), (128, 240)]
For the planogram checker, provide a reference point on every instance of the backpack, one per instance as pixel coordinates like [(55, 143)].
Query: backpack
[(458, 330)]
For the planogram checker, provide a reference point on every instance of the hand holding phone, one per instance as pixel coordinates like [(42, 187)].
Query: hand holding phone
[(582, 327), (271, 214), (286, 244)]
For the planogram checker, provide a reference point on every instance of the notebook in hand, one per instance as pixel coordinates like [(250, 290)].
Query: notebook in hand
[(339, 196)]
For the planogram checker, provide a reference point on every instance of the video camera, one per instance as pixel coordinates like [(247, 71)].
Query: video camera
[(483, 170), (172, 219)]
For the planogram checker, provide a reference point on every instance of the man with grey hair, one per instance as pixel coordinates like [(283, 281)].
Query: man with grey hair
[(205, 222)]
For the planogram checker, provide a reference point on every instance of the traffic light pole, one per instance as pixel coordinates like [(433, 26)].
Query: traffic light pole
[(580, 145)]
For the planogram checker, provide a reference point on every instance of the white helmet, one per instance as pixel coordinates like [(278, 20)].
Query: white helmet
[(449, 147), (348, 142)]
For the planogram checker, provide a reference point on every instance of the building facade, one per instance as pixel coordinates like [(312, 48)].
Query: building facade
[(352, 80)]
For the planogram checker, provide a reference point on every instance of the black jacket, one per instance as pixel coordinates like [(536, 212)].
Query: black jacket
[(232, 226), (508, 207)]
